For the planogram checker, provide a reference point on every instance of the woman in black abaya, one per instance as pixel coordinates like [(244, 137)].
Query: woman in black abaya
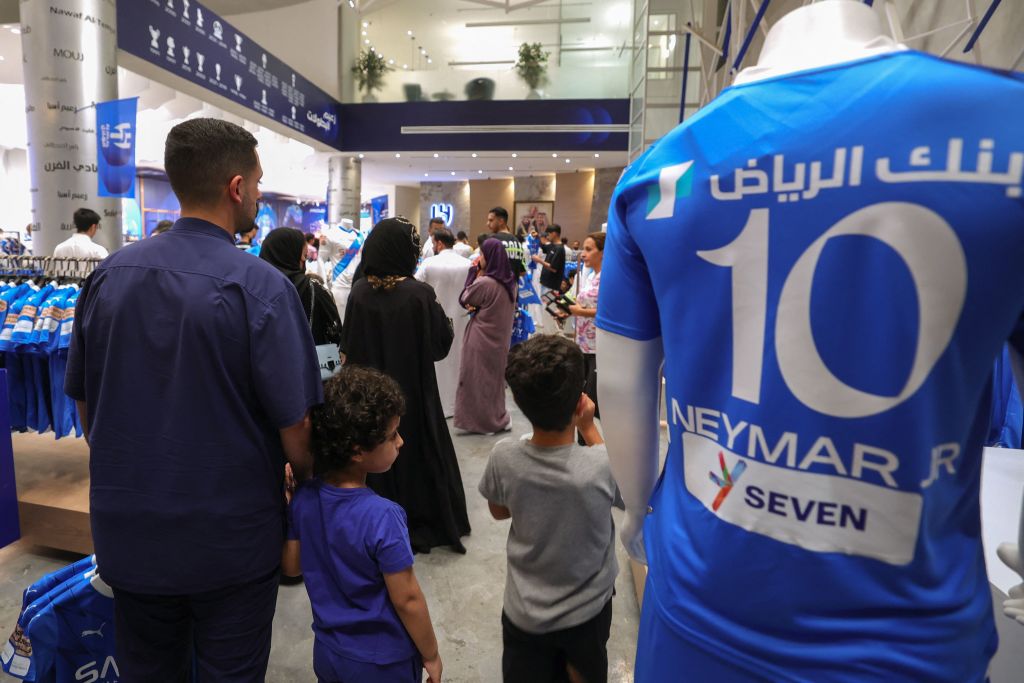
[(285, 249), (394, 323)]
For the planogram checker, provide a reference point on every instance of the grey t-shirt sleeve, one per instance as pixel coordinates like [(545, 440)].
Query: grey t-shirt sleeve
[(490, 484)]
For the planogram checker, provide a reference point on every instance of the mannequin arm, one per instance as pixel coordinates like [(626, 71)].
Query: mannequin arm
[(1013, 555), (629, 393)]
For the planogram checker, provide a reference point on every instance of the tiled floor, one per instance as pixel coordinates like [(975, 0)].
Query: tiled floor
[(464, 593)]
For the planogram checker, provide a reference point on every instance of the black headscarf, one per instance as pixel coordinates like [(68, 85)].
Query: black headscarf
[(285, 249), (391, 251)]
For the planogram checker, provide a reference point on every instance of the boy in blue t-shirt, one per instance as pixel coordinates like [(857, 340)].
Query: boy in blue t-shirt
[(370, 618)]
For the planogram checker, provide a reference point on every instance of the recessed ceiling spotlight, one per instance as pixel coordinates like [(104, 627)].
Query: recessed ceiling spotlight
[(511, 169), (436, 155), (453, 172), (430, 61), (366, 41), (405, 66), (479, 171), (352, 4), (474, 155), (366, 24), (514, 155), (597, 156), (568, 160), (425, 175), (391, 61), (1, 58), (364, 33), (554, 155), (398, 156), (409, 32)]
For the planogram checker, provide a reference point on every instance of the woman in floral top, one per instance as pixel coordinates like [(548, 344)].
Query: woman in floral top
[(585, 309)]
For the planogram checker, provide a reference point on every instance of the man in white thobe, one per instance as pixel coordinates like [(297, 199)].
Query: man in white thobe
[(446, 272)]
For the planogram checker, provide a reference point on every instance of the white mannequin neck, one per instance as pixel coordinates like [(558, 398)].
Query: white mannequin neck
[(818, 35)]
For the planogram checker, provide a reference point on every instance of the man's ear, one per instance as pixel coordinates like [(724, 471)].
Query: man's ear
[(579, 404), (235, 189)]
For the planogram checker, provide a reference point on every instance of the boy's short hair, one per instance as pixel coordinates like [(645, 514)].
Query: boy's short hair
[(546, 376), (500, 212), (461, 235), (554, 228), (359, 404), (85, 219)]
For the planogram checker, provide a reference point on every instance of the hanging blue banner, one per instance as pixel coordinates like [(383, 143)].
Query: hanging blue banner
[(115, 147), (9, 530)]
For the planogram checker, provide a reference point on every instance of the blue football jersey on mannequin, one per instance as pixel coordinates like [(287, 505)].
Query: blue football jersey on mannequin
[(832, 259)]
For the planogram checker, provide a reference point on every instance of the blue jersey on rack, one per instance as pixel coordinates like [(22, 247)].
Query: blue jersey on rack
[(832, 260), (73, 636), (18, 654), (65, 415)]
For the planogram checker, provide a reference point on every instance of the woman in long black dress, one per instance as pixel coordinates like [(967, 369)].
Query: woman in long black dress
[(395, 324), (285, 249)]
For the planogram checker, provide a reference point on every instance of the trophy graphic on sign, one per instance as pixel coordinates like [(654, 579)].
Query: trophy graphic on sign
[(154, 37), (293, 80), (264, 60), (238, 82), (200, 57), (238, 43), (187, 52), (263, 99), (217, 67), (185, 5), (170, 47), (199, 17), (218, 30), (293, 114)]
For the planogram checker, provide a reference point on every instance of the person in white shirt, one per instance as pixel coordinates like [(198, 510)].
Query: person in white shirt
[(429, 248), (80, 245), (446, 272), (462, 246)]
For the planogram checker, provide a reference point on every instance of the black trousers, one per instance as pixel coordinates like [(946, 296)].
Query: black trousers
[(590, 386), (532, 658), (221, 635)]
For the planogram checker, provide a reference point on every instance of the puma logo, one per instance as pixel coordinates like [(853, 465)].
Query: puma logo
[(96, 632)]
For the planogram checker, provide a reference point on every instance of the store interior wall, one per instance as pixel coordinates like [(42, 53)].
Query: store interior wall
[(484, 195), (605, 180), (407, 202), (575, 193), (14, 189), (454, 193)]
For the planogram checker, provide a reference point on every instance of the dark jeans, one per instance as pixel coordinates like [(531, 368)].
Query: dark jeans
[(226, 632), (532, 658)]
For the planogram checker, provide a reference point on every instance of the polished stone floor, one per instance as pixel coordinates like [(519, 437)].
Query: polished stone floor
[(464, 593)]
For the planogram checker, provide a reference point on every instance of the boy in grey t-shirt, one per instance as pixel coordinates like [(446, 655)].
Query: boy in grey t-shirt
[(561, 546)]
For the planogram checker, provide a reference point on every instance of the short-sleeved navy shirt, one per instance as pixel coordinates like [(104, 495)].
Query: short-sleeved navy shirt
[(190, 355)]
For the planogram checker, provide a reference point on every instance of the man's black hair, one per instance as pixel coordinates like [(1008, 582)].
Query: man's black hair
[(481, 238), (445, 237), (85, 219), (359, 404), (500, 213), (461, 235), (202, 155), (546, 376), (435, 220), (554, 227)]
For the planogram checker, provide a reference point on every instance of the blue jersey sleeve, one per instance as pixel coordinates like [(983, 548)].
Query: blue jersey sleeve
[(627, 305)]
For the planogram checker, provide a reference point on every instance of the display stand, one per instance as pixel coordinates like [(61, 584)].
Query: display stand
[(53, 491)]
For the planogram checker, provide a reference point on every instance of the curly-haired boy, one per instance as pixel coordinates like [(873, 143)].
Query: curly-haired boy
[(370, 618)]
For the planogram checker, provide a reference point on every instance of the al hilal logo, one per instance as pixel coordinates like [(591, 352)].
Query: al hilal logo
[(726, 481), (673, 182)]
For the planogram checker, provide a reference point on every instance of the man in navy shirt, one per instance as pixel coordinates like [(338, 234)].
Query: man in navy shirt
[(193, 369)]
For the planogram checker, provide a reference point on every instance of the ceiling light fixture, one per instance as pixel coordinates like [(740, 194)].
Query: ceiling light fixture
[(430, 61), (405, 66), (511, 169), (361, 155), (474, 155), (352, 4), (479, 171), (409, 32), (366, 41), (391, 61), (398, 156), (425, 175), (514, 155), (435, 155), (453, 172), (568, 160), (366, 24), (597, 156), (554, 155), (364, 33)]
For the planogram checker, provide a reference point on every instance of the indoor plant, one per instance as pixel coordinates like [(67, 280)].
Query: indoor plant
[(369, 70), (532, 67)]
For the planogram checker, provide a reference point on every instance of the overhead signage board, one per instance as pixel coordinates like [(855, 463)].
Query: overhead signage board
[(191, 41)]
